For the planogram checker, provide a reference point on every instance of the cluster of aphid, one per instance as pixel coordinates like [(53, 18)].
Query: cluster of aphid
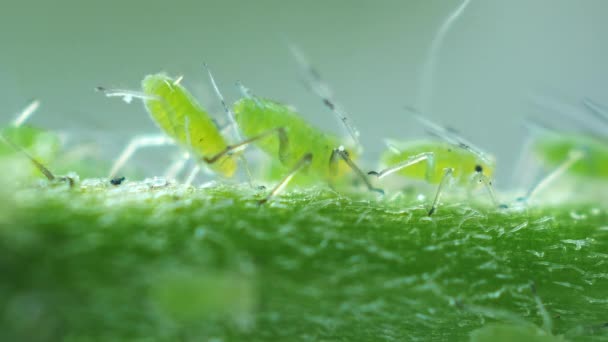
[(281, 132)]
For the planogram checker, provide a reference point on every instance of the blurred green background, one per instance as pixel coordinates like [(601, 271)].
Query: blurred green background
[(371, 52)]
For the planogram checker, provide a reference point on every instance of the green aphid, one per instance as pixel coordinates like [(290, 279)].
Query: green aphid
[(302, 145), (574, 154), (275, 128), (182, 118), (452, 160)]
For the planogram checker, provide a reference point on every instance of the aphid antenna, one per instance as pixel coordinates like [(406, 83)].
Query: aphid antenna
[(315, 83), (43, 169), (227, 110), (428, 70), (247, 93), (125, 94), (449, 135), (598, 110), (26, 113), (536, 126), (547, 322), (573, 114)]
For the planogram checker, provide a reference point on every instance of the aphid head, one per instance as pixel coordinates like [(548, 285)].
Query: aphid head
[(485, 166)]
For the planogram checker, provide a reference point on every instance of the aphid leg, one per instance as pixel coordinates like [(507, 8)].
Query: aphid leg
[(45, 171), (547, 322), (429, 157), (283, 145), (524, 162), (177, 166), (487, 183), (134, 145), (192, 176), (573, 157), (247, 171), (447, 176), (302, 163), (343, 154)]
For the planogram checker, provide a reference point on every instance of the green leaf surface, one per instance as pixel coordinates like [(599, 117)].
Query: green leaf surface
[(155, 261)]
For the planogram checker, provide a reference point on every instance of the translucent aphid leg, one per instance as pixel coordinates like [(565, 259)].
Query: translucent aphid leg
[(302, 163), (341, 153), (573, 157), (524, 162), (192, 176), (247, 171), (26, 113), (318, 86), (547, 321), (283, 145), (429, 157), (479, 177), (136, 144), (447, 176), (177, 166), (43, 169)]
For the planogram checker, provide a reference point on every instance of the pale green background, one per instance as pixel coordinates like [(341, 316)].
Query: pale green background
[(371, 52)]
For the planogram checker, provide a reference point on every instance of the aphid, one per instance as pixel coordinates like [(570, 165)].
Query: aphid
[(452, 160), (302, 145), (275, 128), (439, 162), (182, 120), (580, 154)]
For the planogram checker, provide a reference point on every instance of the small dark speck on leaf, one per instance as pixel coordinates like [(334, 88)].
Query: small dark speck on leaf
[(117, 180)]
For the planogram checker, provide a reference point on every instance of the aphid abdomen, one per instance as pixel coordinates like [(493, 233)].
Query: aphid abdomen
[(255, 116), (180, 116)]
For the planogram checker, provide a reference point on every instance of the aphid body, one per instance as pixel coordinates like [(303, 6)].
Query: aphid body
[(256, 116), (179, 116), (444, 155)]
